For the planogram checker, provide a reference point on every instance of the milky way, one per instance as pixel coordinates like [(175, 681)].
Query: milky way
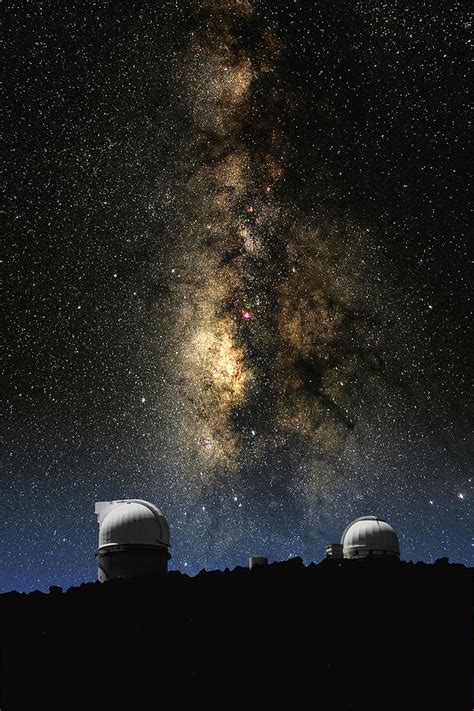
[(274, 330), (262, 303), (238, 276)]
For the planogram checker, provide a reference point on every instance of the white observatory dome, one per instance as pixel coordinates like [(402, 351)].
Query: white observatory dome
[(131, 522), (369, 535), (134, 539)]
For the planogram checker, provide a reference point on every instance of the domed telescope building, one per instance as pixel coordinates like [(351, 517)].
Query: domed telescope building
[(134, 539), (365, 537)]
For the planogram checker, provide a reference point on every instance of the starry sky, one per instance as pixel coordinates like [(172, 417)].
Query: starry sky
[(237, 277)]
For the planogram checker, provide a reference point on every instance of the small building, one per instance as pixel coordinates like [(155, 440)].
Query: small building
[(134, 539), (257, 561), (334, 550)]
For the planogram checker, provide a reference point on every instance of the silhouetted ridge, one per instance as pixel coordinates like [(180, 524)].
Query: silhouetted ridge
[(339, 635)]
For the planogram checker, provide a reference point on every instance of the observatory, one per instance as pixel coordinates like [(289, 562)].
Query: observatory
[(364, 537), (134, 539), (369, 535)]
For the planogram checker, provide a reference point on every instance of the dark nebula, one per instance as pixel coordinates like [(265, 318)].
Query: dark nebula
[(238, 279)]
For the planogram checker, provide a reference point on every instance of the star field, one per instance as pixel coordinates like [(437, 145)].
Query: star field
[(237, 277)]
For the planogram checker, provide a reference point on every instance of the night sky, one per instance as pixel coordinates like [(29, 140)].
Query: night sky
[(237, 277)]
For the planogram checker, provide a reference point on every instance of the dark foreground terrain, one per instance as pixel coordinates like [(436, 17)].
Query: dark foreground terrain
[(338, 635)]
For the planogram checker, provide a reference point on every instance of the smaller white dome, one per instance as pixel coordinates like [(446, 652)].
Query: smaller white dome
[(369, 535), (131, 522)]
